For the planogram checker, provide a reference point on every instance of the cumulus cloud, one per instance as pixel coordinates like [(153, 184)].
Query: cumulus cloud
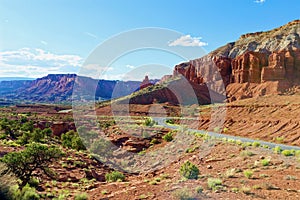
[(260, 1), (36, 63), (188, 41)]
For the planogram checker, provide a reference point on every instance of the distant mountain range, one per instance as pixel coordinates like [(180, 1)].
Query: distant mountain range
[(57, 88)]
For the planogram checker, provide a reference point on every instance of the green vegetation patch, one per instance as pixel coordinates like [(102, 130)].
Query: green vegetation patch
[(189, 170), (114, 176)]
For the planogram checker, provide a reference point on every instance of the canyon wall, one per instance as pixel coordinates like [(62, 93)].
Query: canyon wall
[(268, 61), (282, 67)]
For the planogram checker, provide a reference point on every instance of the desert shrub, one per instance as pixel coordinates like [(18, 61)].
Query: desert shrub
[(5, 127), (72, 140), (248, 173), (277, 149), (24, 138), (238, 142), (189, 170), (225, 130), (26, 193), (24, 119), (37, 135), (214, 183), (246, 153), (77, 144), (170, 121), (199, 189), (265, 162), (149, 122), (191, 149), (246, 190), (27, 126), (255, 144), (81, 196), (287, 152), (114, 176), (47, 131), (153, 182), (29, 193), (185, 194), (246, 144), (35, 156), (66, 138), (168, 137), (15, 128), (106, 123)]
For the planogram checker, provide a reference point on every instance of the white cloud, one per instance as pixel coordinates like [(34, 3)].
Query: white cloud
[(260, 1), (130, 66), (37, 63), (188, 41)]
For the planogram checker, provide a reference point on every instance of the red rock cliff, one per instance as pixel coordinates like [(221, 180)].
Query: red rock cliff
[(256, 58)]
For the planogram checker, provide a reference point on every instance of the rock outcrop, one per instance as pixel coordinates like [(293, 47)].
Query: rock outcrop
[(57, 128), (256, 58), (145, 83)]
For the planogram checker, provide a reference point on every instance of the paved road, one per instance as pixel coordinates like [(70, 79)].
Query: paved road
[(162, 121)]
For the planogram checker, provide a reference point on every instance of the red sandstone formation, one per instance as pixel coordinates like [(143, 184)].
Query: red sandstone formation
[(145, 83), (256, 58), (58, 128)]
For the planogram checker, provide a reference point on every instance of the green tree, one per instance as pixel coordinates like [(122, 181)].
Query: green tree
[(72, 140), (47, 132), (6, 127), (35, 157), (36, 136), (27, 126)]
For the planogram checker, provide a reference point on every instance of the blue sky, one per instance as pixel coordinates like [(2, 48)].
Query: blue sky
[(38, 37)]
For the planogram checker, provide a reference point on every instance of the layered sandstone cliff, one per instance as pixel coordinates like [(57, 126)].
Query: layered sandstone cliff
[(263, 60)]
